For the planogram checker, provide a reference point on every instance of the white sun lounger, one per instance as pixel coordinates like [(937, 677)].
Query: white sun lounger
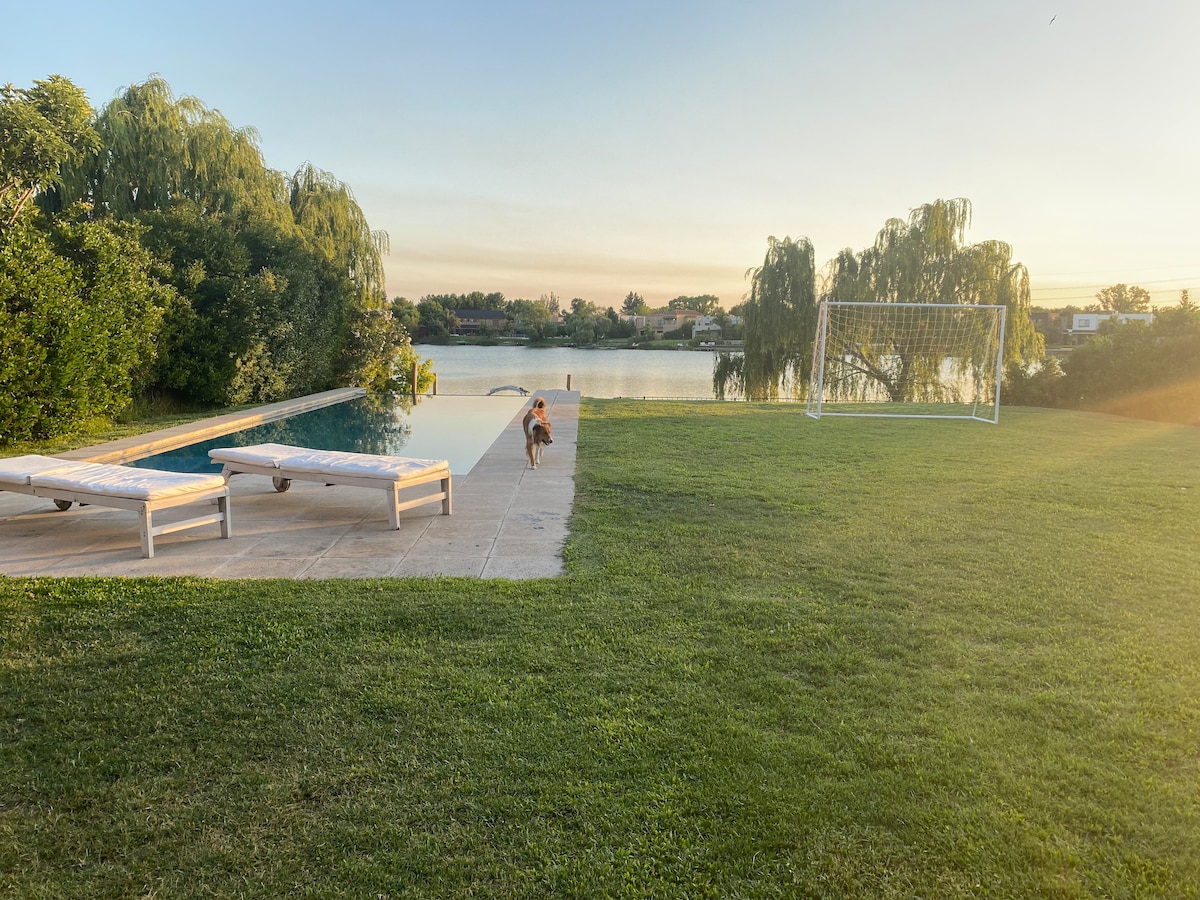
[(285, 464), (146, 491)]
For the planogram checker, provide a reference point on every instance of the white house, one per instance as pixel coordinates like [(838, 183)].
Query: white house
[(1085, 324), (709, 324)]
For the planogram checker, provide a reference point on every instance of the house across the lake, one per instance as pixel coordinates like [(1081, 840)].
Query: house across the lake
[(1085, 325), (474, 321)]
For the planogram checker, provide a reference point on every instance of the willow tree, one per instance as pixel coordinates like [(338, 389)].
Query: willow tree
[(159, 150), (779, 322), (281, 277), (334, 225), (924, 260)]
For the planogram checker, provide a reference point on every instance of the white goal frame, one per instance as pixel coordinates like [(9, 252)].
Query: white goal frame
[(978, 374)]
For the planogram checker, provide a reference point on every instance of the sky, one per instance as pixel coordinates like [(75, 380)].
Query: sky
[(589, 149)]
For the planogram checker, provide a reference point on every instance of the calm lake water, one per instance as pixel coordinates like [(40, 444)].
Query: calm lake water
[(674, 374)]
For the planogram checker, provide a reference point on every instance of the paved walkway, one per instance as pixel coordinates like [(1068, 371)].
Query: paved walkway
[(509, 521)]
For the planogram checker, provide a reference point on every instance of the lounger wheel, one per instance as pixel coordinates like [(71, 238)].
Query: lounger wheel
[(63, 504), (281, 484)]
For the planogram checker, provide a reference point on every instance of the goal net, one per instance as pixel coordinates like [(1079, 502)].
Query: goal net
[(907, 360)]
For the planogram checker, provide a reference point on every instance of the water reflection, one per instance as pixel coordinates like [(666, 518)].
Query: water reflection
[(458, 429)]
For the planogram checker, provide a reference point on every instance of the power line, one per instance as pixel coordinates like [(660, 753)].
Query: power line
[(1084, 287), (1052, 293)]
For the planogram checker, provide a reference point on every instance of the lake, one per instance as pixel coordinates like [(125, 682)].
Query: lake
[(643, 374)]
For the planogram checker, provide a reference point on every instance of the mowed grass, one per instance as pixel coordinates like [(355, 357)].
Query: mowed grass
[(846, 658)]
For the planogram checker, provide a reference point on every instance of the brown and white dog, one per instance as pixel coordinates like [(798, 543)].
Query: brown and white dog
[(537, 432)]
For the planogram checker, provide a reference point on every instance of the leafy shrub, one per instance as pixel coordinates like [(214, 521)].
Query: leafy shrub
[(79, 317), (1035, 383), (1144, 371)]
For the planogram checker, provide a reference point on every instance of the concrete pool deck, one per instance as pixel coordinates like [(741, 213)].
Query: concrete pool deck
[(508, 521)]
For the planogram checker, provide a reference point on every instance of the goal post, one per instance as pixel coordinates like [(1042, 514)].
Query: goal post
[(908, 360)]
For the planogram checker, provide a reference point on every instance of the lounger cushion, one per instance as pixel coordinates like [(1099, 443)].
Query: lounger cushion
[(126, 481), (19, 469), (255, 454), (329, 462)]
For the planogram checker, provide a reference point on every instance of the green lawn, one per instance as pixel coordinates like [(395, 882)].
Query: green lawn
[(846, 658)]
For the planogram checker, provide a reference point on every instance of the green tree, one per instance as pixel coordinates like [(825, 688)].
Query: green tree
[(1120, 298), (334, 225), (261, 317), (1036, 383), (530, 317), (379, 352), (586, 322), (1146, 371), (1149, 371), (404, 312), (282, 278), (553, 304), (924, 260), (705, 304), (435, 320), (79, 318), (634, 305), (157, 150), (780, 320), (42, 129)]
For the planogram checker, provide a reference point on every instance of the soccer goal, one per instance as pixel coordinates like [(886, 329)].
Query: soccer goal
[(908, 360)]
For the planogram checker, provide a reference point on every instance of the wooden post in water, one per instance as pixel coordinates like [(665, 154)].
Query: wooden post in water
[(568, 382)]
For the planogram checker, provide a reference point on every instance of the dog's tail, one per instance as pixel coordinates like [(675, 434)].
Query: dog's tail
[(539, 403)]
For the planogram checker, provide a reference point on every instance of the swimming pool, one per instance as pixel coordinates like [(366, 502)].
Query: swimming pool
[(458, 429)]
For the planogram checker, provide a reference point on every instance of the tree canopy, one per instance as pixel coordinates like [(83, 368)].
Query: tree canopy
[(779, 321), (634, 304), (705, 304), (1121, 298), (42, 130), (157, 150), (532, 317), (240, 284), (586, 323), (80, 311), (922, 259)]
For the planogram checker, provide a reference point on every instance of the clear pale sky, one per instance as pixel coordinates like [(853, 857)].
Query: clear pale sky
[(595, 148)]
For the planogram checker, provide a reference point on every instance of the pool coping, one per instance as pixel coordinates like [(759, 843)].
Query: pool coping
[(143, 445), (509, 521)]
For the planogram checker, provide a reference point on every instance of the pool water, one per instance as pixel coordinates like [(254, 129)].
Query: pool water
[(458, 429)]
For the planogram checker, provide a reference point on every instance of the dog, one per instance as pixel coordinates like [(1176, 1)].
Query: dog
[(537, 432)]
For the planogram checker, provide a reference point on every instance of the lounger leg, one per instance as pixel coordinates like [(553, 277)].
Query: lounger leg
[(446, 499), (146, 518), (223, 509), (393, 494)]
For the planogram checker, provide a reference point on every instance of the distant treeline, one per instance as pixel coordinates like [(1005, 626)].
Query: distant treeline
[(434, 317), (147, 249)]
